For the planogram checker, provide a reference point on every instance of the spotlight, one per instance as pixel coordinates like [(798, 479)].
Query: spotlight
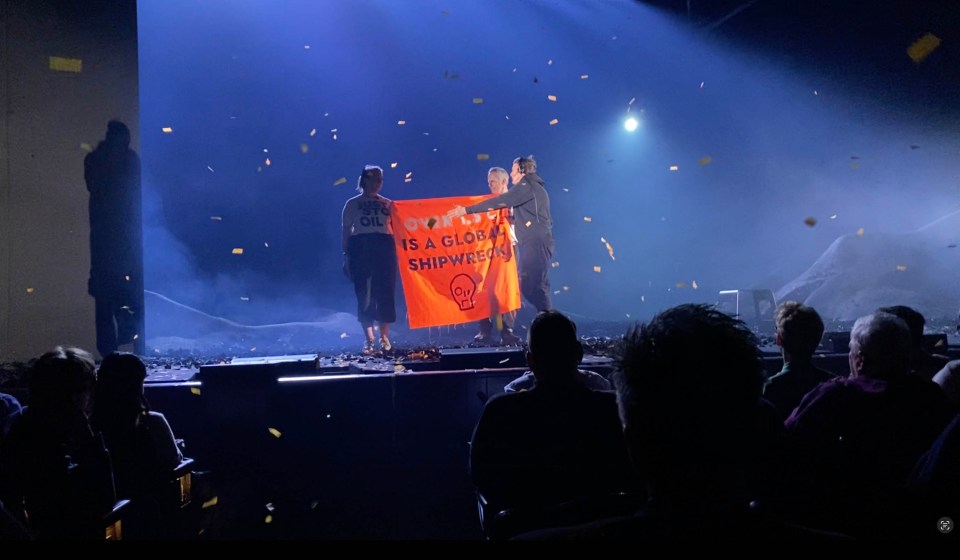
[(631, 124)]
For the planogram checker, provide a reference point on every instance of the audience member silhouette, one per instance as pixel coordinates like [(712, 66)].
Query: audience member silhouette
[(53, 468), (10, 409), (557, 442), (799, 330), (112, 173), (922, 362), (688, 387), (589, 378), (854, 440), (141, 443)]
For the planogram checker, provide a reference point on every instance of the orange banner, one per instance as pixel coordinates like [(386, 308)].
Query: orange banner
[(454, 270)]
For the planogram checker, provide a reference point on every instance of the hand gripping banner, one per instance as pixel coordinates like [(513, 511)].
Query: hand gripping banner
[(454, 270)]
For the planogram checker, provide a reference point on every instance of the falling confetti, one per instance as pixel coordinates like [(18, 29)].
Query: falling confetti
[(554, 121), (704, 160), (552, 97), (854, 164), (195, 390), (393, 165), (643, 299), (681, 285), (587, 219), (127, 278), (674, 168), (268, 519), (922, 47), (596, 269), (447, 75), (550, 62), (210, 169), (254, 349), (554, 264), (431, 222), (952, 246), (478, 101), (29, 290), (815, 92), (694, 284), (901, 267), (609, 248), (939, 343), (275, 432), (167, 129), (860, 232), (343, 335), (628, 315), (313, 132), (810, 221), (401, 123), (244, 298), (566, 189), (265, 244), (86, 147), (833, 217), (701, 84), (216, 218), (536, 80), (267, 162), (483, 157), (528, 223), (584, 76), (566, 288), (409, 175), (505, 360), (556, 292), (340, 181), (237, 251), (304, 148), (632, 99), (210, 503)]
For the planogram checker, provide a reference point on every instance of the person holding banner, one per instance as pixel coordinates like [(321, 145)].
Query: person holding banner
[(497, 179), (370, 257), (534, 228)]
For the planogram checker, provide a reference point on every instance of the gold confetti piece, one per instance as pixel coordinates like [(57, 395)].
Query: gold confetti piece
[(632, 99), (431, 222), (566, 288), (216, 218), (401, 123), (275, 432), (393, 165), (610, 250), (596, 269), (244, 298), (681, 285), (195, 390), (701, 84), (587, 219), (409, 175), (922, 47), (505, 360), (478, 101), (833, 217), (268, 519), (901, 267), (554, 121), (254, 349), (695, 285), (550, 62), (556, 292), (704, 160), (860, 232), (167, 129), (343, 335), (810, 221), (528, 223), (267, 162), (483, 157), (86, 147), (340, 181), (304, 148), (603, 239), (584, 76), (566, 190), (136, 336), (61, 64), (127, 278), (210, 503), (265, 244), (237, 251), (29, 290), (334, 136), (552, 97), (554, 264), (313, 132), (674, 168), (408, 180)]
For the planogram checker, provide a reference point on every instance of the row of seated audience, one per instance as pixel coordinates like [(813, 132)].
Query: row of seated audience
[(87, 439), (716, 448)]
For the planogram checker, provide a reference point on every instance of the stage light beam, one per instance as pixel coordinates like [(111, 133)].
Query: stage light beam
[(631, 124)]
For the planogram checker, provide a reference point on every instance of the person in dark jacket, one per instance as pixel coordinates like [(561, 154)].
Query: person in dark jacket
[(534, 228)]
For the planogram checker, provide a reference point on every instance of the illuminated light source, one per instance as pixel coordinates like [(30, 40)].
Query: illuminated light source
[(631, 124)]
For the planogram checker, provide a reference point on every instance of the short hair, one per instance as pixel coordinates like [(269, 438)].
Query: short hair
[(884, 341), (800, 328), (690, 371), (553, 341), (526, 164), (500, 173), (368, 171), (913, 318), (118, 398), (60, 375)]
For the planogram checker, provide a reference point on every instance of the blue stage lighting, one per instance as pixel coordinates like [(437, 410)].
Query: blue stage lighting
[(631, 124)]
